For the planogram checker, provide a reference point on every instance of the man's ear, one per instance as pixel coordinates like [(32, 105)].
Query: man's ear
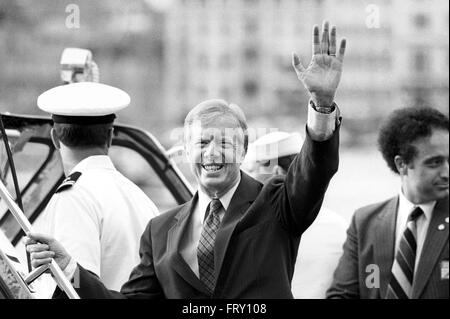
[(110, 137), (401, 165), (55, 139), (240, 156)]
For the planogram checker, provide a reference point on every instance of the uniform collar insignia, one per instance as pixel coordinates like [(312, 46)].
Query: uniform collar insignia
[(68, 182)]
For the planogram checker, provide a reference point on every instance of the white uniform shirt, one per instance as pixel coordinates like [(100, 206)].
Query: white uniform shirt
[(318, 255), (100, 219)]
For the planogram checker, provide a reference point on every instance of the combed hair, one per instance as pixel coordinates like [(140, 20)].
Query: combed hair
[(404, 127), (208, 110), (73, 135)]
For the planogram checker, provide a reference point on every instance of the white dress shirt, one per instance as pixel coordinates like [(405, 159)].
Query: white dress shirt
[(194, 231), (405, 207), (321, 126)]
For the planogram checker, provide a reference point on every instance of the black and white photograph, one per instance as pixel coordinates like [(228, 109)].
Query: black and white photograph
[(225, 153)]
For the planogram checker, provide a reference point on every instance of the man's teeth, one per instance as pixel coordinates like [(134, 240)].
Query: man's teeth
[(212, 167)]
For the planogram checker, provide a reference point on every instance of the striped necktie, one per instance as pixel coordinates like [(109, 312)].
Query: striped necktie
[(402, 279), (205, 249)]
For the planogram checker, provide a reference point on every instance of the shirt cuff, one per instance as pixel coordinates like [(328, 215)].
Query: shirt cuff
[(70, 269), (321, 126)]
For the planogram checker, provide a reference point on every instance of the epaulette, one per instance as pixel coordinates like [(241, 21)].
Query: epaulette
[(68, 182)]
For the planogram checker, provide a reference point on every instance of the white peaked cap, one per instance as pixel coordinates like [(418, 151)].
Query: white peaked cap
[(275, 145), (83, 99)]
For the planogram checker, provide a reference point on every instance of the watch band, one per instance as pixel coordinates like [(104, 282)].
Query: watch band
[(323, 109)]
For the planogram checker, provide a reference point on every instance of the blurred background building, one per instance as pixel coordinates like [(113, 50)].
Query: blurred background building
[(241, 50), (172, 54)]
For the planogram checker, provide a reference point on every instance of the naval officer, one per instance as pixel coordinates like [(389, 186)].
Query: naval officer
[(97, 213)]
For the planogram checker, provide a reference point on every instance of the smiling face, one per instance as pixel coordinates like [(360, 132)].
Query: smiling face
[(425, 178), (215, 149)]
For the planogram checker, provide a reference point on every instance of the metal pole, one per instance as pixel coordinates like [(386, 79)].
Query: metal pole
[(58, 274)]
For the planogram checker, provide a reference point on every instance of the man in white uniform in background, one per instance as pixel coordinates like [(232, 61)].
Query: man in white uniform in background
[(97, 213), (321, 244)]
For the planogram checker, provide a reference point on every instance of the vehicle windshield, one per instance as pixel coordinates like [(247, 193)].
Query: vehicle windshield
[(38, 170)]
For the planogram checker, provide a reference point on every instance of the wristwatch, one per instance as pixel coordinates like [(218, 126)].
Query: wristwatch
[(323, 109)]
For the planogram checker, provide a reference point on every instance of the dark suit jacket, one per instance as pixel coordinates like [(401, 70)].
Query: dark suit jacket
[(256, 244), (371, 241)]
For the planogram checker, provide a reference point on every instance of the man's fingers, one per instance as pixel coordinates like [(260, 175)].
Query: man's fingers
[(325, 44), (316, 40), (42, 255), (29, 241), (342, 50), (297, 63), (39, 262), (37, 247), (40, 238), (332, 49)]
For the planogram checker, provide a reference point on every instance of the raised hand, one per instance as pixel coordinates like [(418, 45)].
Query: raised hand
[(321, 77)]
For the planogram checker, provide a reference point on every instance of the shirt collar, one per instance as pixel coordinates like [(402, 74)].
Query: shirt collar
[(406, 206), (94, 162), (204, 199)]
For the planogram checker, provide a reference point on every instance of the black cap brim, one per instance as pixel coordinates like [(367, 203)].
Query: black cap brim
[(83, 120)]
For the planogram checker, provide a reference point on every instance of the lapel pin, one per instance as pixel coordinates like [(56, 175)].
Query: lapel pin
[(446, 220), (441, 227)]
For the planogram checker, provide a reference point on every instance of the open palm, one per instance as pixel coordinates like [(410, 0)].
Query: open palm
[(322, 74), (321, 77)]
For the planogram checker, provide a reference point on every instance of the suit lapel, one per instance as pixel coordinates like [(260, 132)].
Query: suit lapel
[(433, 245), (384, 244), (174, 238), (244, 195)]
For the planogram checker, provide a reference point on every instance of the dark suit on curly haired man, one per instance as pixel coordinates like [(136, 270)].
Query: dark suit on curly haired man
[(399, 249)]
